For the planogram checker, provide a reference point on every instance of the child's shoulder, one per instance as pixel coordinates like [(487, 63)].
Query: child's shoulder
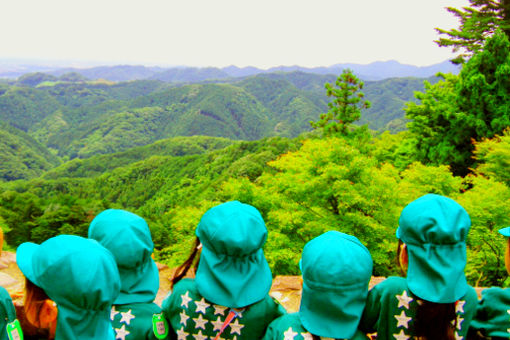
[(496, 293), (393, 284)]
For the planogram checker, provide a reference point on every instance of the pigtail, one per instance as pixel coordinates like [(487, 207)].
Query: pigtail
[(183, 269), (435, 321)]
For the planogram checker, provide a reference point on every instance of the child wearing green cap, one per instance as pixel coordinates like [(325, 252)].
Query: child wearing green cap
[(492, 319), (433, 301), (8, 322), (228, 299), (127, 236), (81, 277), (336, 270)]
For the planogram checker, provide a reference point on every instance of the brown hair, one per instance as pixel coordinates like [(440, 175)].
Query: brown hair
[(183, 269)]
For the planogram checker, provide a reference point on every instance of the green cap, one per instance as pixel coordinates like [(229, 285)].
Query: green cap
[(128, 237), (336, 270), (232, 270), (7, 312), (505, 231), (81, 276), (435, 228)]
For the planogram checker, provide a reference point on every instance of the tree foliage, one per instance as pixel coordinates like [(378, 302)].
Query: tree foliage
[(478, 22), (345, 106)]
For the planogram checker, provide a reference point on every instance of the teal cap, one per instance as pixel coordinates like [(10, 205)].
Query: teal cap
[(233, 270), (505, 231), (435, 228), (336, 270), (128, 238), (81, 276)]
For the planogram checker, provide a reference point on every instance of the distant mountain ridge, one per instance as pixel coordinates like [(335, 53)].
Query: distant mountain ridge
[(374, 71)]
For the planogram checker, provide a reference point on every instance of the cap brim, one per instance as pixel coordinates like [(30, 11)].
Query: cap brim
[(505, 231), (24, 260)]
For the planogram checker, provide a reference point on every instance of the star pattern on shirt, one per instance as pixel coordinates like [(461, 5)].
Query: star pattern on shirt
[(185, 299), (219, 309), (289, 334), (401, 335), (403, 300), (403, 320), (459, 306), (200, 322), (459, 322), (235, 327), (307, 336), (121, 333), (126, 317), (458, 337), (113, 312), (199, 336), (181, 334), (217, 324), (184, 317), (201, 306)]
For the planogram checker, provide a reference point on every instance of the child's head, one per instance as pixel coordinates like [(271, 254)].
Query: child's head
[(80, 276), (434, 229), (128, 237), (232, 270), (506, 232), (336, 270)]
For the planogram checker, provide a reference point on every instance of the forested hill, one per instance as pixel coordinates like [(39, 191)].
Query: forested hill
[(80, 118)]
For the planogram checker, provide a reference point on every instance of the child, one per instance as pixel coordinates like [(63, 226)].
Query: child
[(434, 301), (229, 296), (81, 277), (492, 320), (336, 270), (128, 237), (8, 322)]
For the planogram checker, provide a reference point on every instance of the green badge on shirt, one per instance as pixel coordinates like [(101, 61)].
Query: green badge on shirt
[(14, 331), (159, 326)]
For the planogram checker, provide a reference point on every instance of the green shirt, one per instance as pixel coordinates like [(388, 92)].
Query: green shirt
[(493, 313), (134, 321), (391, 308), (289, 327), (193, 317)]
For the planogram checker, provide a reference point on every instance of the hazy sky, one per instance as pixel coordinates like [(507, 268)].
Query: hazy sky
[(261, 33)]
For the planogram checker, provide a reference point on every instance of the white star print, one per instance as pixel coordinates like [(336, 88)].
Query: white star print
[(126, 317), (289, 334), (181, 334), (185, 299), (113, 312), (202, 306), (403, 300), (235, 327), (458, 337), (459, 307), (403, 320), (121, 333), (401, 335), (217, 324), (200, 322), (199, 336), (219, 309), (307, 336), (184, 317), (239, 312), (459, 322)]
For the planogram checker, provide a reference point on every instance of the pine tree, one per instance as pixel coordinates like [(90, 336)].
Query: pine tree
[(477, 23), (345, 108)]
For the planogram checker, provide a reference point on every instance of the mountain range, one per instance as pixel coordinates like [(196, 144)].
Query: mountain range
[(374, 71)]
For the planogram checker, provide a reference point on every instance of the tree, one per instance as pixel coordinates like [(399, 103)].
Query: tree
[(477, 23), (459, 110), (346, 105)]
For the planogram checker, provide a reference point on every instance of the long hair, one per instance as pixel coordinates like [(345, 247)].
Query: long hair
[(433, 321), (183, 269)]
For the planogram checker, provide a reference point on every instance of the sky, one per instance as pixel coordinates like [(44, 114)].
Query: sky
[(219, 33)]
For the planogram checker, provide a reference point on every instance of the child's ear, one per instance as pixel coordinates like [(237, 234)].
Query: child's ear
[(48, 312), (403, 257)]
